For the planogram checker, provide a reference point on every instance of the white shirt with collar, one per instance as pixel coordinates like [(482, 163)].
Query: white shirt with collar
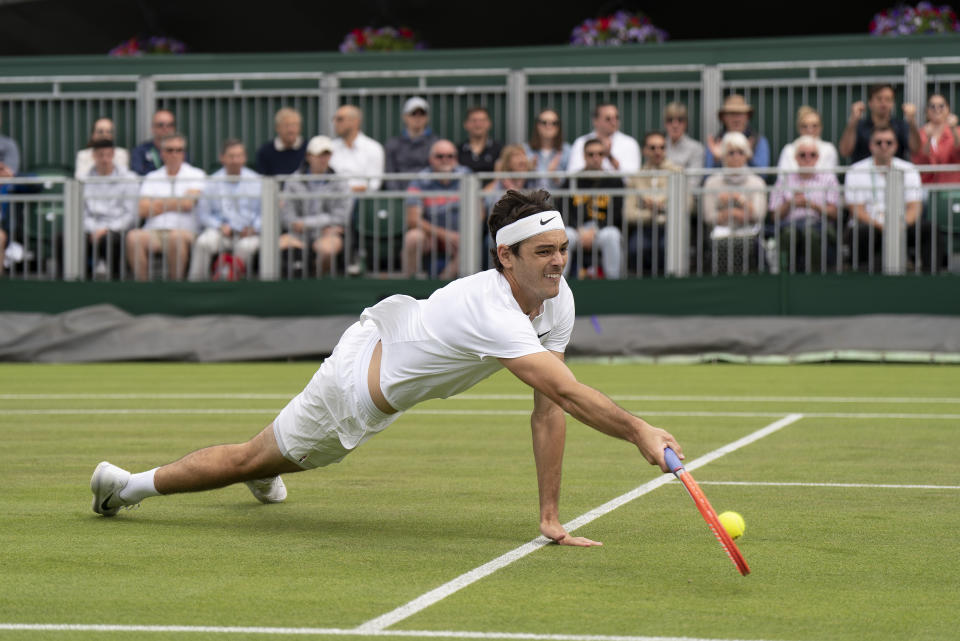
[(364, 158), (865, 186), (624, 148), (157, 184)]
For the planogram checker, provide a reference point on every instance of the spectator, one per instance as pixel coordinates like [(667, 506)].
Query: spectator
[(9, 158), (410, 151), (513, 158), (146, 156), (803, 203), (102, 130), (109, 208), (354, 153), (168, 198), (735, 116), (229, 214), (866, 189), (319, 217), (622, 152), (547, 149), (433, 222), (682, 150), (939, 142), (734, 203), (593, 223), (855, 140), (808, 124), (479, 152), (645, 211), (284, 154)]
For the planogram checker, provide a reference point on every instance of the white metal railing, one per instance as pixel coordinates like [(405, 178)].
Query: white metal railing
[(47, 222)]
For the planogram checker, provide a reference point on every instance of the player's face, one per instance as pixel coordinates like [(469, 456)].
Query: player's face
[(541, 261)]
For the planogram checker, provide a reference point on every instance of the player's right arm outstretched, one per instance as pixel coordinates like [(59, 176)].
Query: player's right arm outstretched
[(548, 375)]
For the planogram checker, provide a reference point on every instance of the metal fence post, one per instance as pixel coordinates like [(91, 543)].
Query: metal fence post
[(269, 230), (915, 84), (517, 105), (72, 231), (146, 105), (471, 242), (329, 102), (894, 226), (711, 97), (678, 226)]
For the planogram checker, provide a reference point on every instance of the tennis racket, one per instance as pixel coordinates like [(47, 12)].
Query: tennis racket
[(709, 515)]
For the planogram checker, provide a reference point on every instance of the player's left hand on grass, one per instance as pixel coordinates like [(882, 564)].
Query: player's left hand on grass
[(556, 533)]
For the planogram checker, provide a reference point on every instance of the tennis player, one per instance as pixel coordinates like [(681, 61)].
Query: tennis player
[(403, 351)]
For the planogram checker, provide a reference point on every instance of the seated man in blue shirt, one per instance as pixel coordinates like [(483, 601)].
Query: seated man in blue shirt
[(284, 154), (433, 221), (229, 213)]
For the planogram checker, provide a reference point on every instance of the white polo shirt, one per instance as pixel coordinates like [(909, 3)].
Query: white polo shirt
[(441, 346), (364, 158), (624, 148), (867, 187), (157, 184)]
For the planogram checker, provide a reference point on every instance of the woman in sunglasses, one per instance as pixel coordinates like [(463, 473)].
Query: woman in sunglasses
[(809, 124), (939, 142), (547, 150)]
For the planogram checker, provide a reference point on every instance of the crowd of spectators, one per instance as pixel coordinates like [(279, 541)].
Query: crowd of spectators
[(181, 223)]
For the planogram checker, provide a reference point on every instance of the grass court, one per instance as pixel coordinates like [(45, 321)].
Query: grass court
[(851, 511)]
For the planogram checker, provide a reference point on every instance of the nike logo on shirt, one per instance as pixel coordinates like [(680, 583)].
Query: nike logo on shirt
[(543, 334)]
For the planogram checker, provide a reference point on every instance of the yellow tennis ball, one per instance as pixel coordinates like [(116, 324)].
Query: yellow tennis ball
[(733, 523)]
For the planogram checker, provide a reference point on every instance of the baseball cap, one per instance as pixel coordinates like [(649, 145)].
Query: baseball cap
[(412, 104), (319, 144)]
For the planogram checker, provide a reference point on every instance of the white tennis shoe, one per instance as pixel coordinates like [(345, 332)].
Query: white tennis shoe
[(270, 490), (106, 483)]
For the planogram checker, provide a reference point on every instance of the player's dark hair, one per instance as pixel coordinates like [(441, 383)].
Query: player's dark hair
[(511, 207)]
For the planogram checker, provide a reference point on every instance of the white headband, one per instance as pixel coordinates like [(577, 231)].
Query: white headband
[(529, 226)]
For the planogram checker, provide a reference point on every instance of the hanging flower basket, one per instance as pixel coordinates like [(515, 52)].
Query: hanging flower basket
[(904, 20), (380, 39), (138, 46), (620, 28)]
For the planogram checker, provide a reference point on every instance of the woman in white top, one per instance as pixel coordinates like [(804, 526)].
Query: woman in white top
[(547, 150), (809, 124), (102, 130), (735, 202)]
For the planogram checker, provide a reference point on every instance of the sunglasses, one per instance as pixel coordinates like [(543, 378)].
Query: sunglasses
[(884, 142), (736, 152), (173, 150), (444, 156), (418, 112), (807, 154), (548, 123), (656, 147)]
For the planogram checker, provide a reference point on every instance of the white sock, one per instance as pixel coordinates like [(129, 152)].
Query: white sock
[(139, 487)]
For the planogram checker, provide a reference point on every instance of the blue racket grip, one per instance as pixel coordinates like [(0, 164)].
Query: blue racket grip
[(670, 457)]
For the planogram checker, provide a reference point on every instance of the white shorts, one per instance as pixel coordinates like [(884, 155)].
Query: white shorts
[(334, 413)]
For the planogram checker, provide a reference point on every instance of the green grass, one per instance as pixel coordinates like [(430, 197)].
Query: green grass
[(439, 494)]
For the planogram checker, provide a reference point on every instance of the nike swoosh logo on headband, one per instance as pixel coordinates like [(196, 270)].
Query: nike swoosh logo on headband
[(544, 222)]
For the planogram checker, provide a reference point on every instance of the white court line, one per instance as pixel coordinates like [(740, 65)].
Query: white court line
[(915, 400), (884, 486), (445, 634), (94, 411), (438, 594)]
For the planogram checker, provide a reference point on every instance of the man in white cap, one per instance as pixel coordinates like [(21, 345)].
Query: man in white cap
[(403, 351), (410, 151), (316, 208)]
